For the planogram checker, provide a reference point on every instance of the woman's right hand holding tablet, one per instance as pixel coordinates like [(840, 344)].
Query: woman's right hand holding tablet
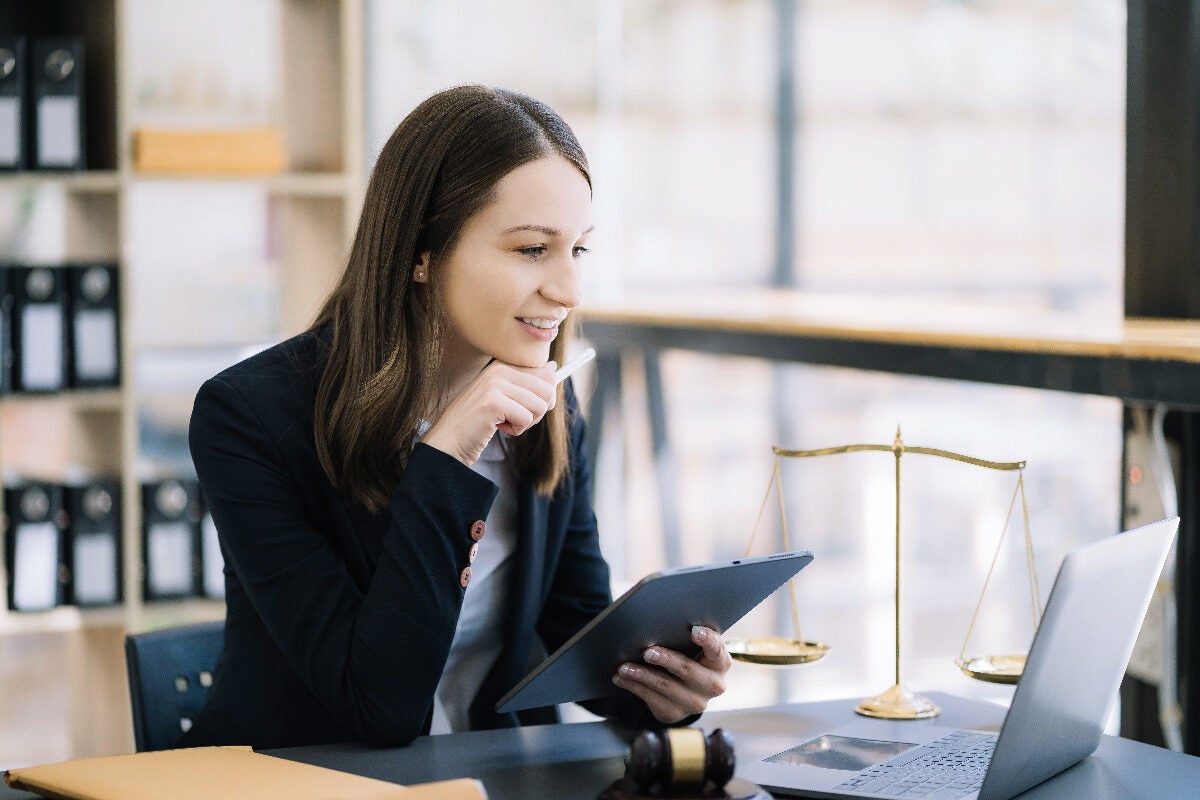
[(501, 397)]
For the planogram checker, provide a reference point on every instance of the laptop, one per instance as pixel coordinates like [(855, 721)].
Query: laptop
[(1074, 668)]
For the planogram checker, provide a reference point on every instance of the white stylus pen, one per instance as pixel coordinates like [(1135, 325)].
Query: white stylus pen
[(564, 372)]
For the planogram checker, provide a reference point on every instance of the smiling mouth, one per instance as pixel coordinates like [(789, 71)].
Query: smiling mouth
[(542, 324)]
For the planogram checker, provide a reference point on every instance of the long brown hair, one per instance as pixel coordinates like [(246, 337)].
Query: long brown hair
[(440, 166)]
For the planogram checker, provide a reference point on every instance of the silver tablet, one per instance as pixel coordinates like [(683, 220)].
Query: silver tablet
[(660, 609)]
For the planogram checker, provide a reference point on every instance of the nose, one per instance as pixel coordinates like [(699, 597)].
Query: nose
[(561, 285)]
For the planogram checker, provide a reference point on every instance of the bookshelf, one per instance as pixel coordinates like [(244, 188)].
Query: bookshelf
[(68, 663)]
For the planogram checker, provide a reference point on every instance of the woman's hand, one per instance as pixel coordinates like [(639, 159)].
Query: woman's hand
[(501, 397), (674, 686)]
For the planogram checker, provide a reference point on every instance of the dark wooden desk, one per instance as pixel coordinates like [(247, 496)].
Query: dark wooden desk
[(1141, 362), (1138, 361), (576, 761)]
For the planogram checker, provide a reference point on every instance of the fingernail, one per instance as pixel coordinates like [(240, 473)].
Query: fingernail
[(653, 655), (627, 671), (699, 633)]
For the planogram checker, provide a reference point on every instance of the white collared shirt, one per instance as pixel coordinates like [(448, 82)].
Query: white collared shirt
[(480, 632)]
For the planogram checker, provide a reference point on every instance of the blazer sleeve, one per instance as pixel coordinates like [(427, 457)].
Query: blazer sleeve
[(372, 656)]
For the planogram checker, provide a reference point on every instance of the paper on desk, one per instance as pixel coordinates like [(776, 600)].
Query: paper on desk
[(231, 773)]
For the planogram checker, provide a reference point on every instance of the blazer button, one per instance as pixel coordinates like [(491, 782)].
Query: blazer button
[(474, 551), (464, 577), (477, 529)]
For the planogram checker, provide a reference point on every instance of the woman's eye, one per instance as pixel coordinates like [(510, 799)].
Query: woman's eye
[(580, 250), (533, 251)]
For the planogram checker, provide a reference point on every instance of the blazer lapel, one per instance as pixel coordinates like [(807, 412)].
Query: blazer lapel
[(529, 577), (524, 604)]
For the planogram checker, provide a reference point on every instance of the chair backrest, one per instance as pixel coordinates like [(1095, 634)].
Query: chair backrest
[(170, 671)]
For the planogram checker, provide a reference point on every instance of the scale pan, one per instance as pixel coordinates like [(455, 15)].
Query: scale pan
[(775, 650), (993, 669)]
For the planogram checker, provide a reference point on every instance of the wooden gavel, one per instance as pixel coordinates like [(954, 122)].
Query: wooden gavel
[(660, 763)]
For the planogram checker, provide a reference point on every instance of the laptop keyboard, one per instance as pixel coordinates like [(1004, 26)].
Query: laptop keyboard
[(950, 767)]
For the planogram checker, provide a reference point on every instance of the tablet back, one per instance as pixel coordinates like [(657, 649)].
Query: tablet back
[(660, 609)]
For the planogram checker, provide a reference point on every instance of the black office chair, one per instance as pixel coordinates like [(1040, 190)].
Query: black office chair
[(170, 671)]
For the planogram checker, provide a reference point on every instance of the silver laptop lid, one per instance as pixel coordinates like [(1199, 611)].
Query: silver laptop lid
[(1078, 657)]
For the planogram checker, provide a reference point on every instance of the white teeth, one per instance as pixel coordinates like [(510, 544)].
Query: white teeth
[(544, 324)]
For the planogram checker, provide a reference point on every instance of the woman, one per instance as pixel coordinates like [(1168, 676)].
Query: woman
[(401, 493)]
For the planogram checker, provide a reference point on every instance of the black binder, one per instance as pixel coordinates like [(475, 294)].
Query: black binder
[(58, 103), (6, 328), (95, 347), (13, 103), (93, 543), (39, 328), (171, 535), (33, 545)]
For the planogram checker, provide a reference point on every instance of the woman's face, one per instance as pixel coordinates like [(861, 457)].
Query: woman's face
[(513, 276)]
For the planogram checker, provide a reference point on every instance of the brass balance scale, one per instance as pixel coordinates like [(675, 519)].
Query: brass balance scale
[(897, 702)]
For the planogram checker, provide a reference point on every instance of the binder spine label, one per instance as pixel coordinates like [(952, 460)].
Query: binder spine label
[(10, 132), (58, 132), (41, 347)]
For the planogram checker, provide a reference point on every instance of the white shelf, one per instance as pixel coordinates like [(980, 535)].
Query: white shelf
[(61, 620), (314, 208), (86, 182), (91, 400), (299, 184)]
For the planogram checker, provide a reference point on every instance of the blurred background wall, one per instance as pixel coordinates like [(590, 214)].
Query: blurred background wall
[(958, 151)]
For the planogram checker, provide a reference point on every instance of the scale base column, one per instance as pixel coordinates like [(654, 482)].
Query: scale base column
[(898, 703)]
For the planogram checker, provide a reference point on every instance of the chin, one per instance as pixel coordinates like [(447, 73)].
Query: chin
[(525, 358)]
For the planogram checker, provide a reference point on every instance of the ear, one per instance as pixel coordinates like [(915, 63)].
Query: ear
[(421, 269)]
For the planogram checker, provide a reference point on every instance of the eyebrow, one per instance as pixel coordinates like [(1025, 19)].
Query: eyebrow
[(542, 229)]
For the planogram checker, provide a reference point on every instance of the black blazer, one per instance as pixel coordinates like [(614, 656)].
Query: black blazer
[(338, 622)]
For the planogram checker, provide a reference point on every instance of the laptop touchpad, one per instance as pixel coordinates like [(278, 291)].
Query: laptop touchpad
[(840, 752)]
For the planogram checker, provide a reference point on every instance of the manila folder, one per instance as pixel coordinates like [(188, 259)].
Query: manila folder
[(229, 773)]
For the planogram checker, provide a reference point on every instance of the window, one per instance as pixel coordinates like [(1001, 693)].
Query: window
[(965, 152)]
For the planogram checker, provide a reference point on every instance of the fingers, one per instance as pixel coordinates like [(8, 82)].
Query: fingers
[(714, 653), (514, 409), (502, 397), (668, 699), (536, 382), (674, 686), (704, 676)]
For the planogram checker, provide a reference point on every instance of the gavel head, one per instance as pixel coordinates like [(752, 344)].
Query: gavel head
[(680, 758)]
